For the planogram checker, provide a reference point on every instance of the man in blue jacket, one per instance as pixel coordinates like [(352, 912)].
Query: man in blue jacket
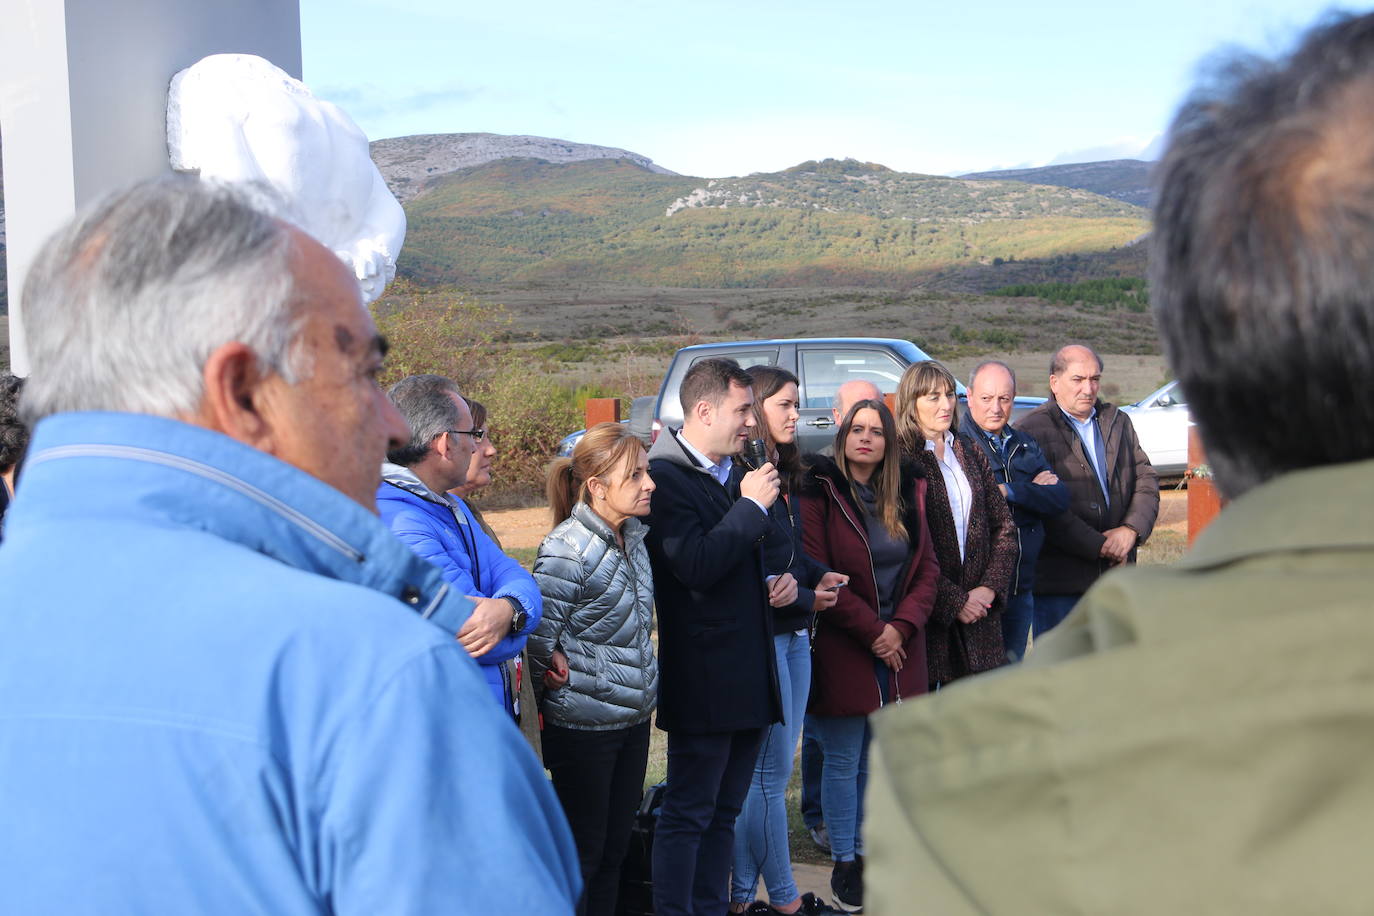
[(413, 499), (1024, 475), (216, 693)]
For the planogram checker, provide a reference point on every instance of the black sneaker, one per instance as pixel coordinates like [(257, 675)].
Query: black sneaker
[(811, 905), (847, 887)]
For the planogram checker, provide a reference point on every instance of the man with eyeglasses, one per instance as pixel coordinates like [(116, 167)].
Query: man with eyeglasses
[(414, 500)]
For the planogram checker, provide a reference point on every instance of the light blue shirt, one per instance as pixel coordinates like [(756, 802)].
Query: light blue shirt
[(1093, 447), (720, 470)]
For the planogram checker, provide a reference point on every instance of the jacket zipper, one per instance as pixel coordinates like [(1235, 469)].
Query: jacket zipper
[(872, 571), (1006, 472)]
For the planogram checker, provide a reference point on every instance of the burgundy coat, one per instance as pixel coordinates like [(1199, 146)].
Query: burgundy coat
[(990, 557), (843, 680)]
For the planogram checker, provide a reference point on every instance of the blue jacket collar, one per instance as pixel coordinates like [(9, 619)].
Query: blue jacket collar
[(163, 471)]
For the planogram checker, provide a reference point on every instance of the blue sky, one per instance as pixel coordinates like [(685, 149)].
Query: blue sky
[(713, 89)]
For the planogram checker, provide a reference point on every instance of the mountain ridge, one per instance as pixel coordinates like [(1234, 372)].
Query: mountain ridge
[(1120, 179), (408, 163)]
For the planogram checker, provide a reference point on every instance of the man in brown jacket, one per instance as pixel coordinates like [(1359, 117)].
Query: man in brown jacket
[(1113, 489)]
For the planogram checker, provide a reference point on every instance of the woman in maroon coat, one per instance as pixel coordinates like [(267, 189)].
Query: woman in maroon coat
[(970, 525), (863, 514)]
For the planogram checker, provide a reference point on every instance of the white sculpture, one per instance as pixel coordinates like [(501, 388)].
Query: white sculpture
[(237, 117)]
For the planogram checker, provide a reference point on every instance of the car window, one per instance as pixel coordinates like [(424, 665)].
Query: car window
[(745, 358), (824, 370)]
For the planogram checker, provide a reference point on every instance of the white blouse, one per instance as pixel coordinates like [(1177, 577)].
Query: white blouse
[(957, 486)]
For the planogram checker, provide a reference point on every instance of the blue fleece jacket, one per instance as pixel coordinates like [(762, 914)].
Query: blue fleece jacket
[(212, 700)]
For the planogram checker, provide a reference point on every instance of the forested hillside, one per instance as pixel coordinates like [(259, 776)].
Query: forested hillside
[(818, 224)]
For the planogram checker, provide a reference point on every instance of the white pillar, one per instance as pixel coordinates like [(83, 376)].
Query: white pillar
[(83, 101)]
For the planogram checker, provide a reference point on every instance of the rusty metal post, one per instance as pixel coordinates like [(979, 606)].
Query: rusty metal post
[(1204, 499), (602, 410)]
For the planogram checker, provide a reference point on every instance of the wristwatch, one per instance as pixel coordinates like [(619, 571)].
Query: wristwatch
[(519, 618)]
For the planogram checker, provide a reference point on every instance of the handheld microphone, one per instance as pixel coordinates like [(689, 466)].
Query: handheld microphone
[(755, 454)]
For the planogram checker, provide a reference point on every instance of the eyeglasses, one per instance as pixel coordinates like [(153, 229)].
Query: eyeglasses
[(477, 434)]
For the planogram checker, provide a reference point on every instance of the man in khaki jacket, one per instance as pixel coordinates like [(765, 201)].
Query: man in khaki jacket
[(1198, 738)]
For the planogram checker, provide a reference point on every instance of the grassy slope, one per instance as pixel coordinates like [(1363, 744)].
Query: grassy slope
[(837, 224)]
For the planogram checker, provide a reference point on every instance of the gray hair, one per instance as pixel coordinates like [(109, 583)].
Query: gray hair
[(125, 304), (425, 403), (992, 362), (1261, 277)]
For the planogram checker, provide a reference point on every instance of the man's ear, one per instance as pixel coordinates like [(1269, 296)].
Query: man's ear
[(704, 412), (234, 395)]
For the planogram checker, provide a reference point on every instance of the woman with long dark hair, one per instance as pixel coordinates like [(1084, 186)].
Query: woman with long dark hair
[(975, 538), (799, 588), (592, 652), (863, 514)]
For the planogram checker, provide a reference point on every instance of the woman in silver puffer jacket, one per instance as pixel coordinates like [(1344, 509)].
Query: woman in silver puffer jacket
[(592, 653)]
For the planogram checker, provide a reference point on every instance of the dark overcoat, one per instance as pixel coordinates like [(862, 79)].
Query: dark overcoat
[(843, 677), (957, 649), (1071, 558), (717, 669)]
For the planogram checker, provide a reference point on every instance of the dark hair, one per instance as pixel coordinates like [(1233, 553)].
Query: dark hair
[(14, 433), (478, 411), (602, 449), (709, 380), (887, 477), (768, 381), (1261, 275), (425, 402), (1059, 364)]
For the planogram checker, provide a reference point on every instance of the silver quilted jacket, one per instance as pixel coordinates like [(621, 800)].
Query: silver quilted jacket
[(598, 608)]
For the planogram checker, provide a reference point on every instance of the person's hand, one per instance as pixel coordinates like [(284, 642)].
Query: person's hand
[(889, 647), (783, 590), (557, 674), (976, 605), (490, 621), (1045, 478), (832, 579), (761, 485), (1118, 544)]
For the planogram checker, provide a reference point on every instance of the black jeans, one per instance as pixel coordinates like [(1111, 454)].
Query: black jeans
[(708, 778), (599, 778)]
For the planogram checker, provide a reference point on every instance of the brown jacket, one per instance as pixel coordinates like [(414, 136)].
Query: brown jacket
[(955, 649), (1071, 561)]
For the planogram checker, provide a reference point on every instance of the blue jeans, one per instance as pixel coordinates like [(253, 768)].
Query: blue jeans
[(811, 757), (708, 777), (761, 831), (1050, 611), (844, 776), (1016, 623)]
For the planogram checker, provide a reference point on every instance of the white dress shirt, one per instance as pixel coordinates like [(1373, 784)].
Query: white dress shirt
[(957, 486)]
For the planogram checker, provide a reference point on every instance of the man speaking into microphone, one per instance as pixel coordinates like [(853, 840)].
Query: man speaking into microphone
[(718, 685)]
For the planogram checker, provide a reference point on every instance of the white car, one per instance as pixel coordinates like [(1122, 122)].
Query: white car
[(1161, 424)]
